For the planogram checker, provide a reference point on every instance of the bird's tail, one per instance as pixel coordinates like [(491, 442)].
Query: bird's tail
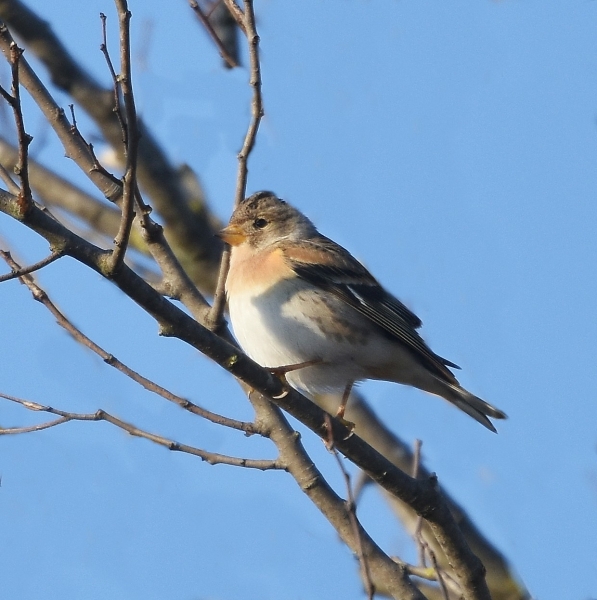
[(469, 403)]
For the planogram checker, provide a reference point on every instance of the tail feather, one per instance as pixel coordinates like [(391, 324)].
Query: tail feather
[(470, 404)]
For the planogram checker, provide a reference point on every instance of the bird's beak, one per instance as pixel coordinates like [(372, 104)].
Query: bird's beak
[(232, 234)]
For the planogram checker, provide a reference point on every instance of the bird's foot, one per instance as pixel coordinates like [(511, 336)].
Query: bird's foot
[(329, 440), (348, 424), (340, 412)]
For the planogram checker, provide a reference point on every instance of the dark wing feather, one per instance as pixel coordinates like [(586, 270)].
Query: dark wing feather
[(345, 277)]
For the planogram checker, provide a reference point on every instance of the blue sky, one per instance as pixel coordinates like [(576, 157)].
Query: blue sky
[(451, 146)]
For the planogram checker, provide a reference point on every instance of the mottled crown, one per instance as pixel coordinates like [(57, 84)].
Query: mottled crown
[(266, 218)]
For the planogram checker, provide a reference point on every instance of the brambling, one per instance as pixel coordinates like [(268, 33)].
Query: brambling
[(302, 305)]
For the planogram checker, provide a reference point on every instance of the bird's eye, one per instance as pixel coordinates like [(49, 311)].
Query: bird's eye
[(259, 223)]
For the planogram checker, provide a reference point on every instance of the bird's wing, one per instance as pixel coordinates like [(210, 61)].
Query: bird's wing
[(323, 263)]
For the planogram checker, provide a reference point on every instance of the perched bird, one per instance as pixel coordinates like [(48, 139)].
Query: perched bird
[(302, 305)]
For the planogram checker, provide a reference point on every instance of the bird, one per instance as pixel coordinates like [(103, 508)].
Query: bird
[(302, 306)]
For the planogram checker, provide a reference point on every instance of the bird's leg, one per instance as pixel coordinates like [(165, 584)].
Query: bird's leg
[(340, 412), (280, 372), (329, 439), (345, 397)]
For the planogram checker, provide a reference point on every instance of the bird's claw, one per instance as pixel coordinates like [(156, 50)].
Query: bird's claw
[(348, 424)]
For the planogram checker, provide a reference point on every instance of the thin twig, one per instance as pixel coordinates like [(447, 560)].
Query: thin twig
[(95, 166), (130, 137), (6, 95), (237, 14), (19, 272), (211, 9), (215, 318), (24, 139), (41, 296), (151, 231), (351, 508), (422, 546), (417, 458), (363, 480), (219, 303), (32, 428), (203, 18), (438, 571), (117, 110), (417, 535), (101, 415), (185, 214), (12, 187), (428, 573), (175, 283)]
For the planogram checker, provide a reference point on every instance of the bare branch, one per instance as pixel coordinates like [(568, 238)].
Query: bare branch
[(115, 81), (351, 507), (226, 29), (75, 148), (419, 540), (190, 226), (438, 572), (310, 480), (374, 431), (203, 18), (12, 187), (42, 297), (32, 428), (13, 54), (175, 283), (233, 361), (219, 303), (422, 546), (423, 495), (54, 190), (20, 271), (130, 135), (101, 415), (237, 14)]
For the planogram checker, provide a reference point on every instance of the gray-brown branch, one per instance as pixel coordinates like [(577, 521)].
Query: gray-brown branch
[(422, 495), (189, 224)]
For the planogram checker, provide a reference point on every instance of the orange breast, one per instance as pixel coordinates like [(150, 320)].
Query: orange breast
[(254, 272)]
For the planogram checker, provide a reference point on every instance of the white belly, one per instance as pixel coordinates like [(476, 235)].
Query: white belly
[(289, 324)]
